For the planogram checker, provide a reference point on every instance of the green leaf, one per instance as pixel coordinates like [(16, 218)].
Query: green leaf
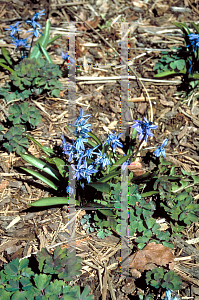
[(53, 39), (43, 40), (100, 186), (120, 162), (149, 194), (195, 27), (183, 27), (42, 281), (7, 56), (180, 64), (41, 177), (109, 176), (53, 201), (45, 53), (168, 73), (7, 68), (41, 165), (93, 136), (46, 150)]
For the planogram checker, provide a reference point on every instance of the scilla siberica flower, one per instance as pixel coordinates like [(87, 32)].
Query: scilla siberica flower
[(14, 29), (102, 160), (160, 150), (144, 128), (193, 41), (82, 171), (66, 56), (113, 140)]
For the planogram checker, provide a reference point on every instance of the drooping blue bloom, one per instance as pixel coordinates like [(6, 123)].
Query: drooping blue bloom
[(18, 43), (83, 171), (33, 23), (68, 149), (79, 143), (168, 295), (126, 163), (113, 140), (81, 126), (190, 66), (193, 41), (38, 15), (90, 152), (69, 190), (102, 159), (160, 150), (66, 56), (144, 128), (14, 29), (35, 32)]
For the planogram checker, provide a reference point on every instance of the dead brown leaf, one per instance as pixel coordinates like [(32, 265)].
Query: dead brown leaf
[(151, 256), (137, 168), (3, 185)]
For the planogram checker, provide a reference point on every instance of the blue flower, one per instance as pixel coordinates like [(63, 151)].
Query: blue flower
[(102, 159), (126, 163), (20, 43), (80, 143), (82, 171), (14, 29), (190, 66), (81, 126), (66, 56), (35, 32), (160, 150), (168, 295), (144, 128), (89, 152), (33, 23), (193, 41), (69, 190), (113, 140), (39, 14)]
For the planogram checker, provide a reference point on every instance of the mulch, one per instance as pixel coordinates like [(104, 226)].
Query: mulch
[(24, 230)]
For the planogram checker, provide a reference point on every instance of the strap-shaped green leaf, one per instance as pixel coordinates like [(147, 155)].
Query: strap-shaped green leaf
[(183, 27), (7, 68), (53, 39), (36, 162), (168, 73), (42, 178), (43, 40), (101, 186), (120, 162), (195, 27), (93, 136), (45, 53), (53, 201), (7, 56), (109, 176), (46, 150)]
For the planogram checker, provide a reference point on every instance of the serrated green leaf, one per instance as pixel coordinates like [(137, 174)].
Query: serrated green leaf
[(42, 281)]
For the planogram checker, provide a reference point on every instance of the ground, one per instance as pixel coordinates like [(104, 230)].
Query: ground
[(150, 30)]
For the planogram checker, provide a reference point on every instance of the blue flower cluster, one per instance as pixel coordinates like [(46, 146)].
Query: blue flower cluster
[(193, 41), (144, 130), (78, 153), (22, 43)]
